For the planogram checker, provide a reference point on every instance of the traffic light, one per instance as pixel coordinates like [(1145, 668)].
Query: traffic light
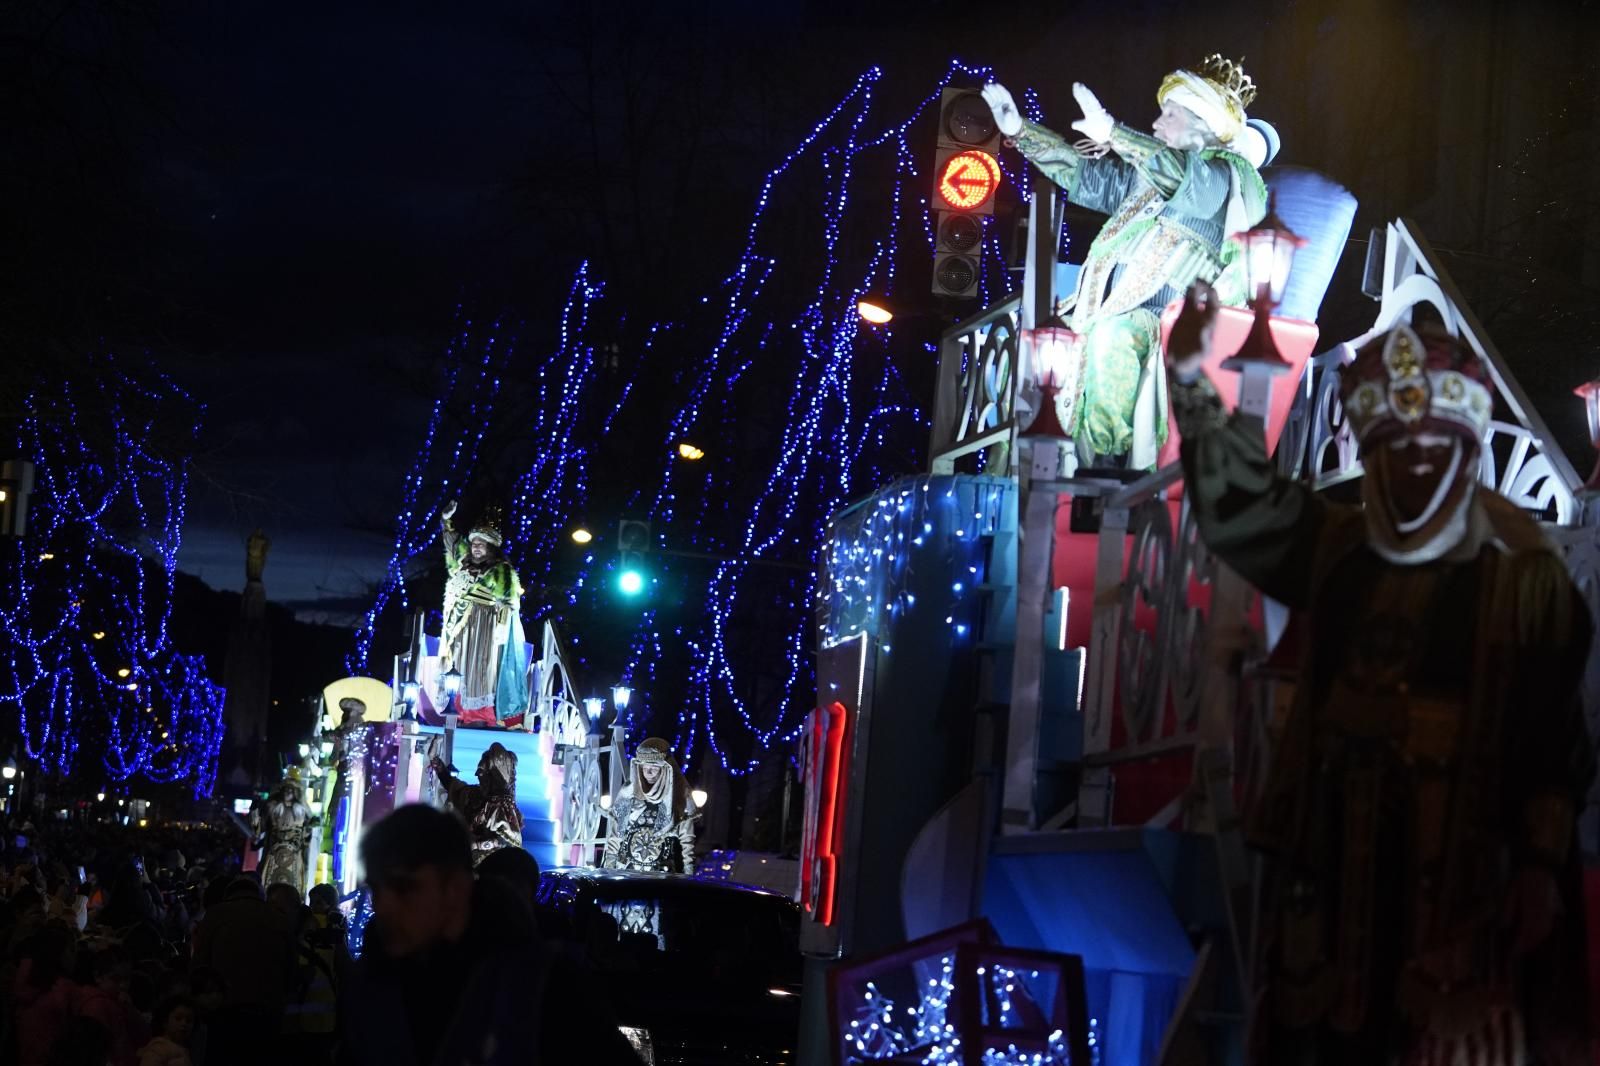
[(633, 540), (965, 177)]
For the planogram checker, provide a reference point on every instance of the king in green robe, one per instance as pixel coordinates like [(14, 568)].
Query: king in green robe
[(1173, 199)]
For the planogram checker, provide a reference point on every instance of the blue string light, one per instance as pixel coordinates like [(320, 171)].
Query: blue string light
[(84, 643), (847, 421)]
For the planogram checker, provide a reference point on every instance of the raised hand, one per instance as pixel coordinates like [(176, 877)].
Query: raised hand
[(449, 511), (1004, 108), (1190, 339), (1096, 122)]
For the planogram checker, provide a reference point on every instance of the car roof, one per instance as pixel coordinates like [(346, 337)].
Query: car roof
[(672, 882)]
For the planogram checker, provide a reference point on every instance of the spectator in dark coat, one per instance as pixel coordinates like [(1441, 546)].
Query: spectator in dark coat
[(455, 971), (248, 943)]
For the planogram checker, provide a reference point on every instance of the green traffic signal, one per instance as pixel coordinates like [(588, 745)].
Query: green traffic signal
[(631, 582)]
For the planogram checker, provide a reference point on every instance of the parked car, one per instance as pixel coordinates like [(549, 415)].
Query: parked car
[(698, 973)]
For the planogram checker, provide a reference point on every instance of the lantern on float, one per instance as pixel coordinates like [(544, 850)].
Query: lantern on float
[(1268, 249), (1054, 348)]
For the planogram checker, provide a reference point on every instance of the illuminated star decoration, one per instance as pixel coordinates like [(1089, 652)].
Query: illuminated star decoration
[(85, 653)]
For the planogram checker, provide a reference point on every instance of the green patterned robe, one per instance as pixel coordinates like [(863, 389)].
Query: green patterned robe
[(1170, 210), (478, 601)]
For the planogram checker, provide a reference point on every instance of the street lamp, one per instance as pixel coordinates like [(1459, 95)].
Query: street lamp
[(581, 536), (408, 698), (1269, 248), (873, 312), (1052, 345), (699, 797), (9, 770), (620, 695), (452, 682), (594, 707)]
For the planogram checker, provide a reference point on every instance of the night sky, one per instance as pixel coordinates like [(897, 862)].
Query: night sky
[(317, 189)]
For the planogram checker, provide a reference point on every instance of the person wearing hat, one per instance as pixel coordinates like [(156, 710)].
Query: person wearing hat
[(287, 823), (482, 637), (1418, 815), (651, 824), (490, 807), (1174, 199)]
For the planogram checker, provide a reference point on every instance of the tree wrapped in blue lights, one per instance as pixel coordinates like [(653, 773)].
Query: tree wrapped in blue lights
[(797, 408), (86, 660)]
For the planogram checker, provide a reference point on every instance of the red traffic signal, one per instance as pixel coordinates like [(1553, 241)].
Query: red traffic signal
[(967, 180)]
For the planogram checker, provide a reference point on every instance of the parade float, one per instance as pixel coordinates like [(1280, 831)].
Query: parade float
[(1036, 687)]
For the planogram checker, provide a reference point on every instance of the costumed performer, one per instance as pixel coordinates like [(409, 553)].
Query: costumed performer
[(1423, 901), (482, 636), (651, 824), (1173, 199), (489, 807), (286, 824)]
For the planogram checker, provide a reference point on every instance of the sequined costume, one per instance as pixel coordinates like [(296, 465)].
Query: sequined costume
[(287, 823), (651, 825), (1170, 212), (490, 806), (1435, 746)]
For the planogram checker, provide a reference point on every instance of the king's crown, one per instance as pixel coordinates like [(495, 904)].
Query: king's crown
[(1230, 76)]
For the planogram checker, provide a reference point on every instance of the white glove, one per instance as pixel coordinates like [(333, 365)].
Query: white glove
[(1096, 122), (1006, 115), (449, 510)]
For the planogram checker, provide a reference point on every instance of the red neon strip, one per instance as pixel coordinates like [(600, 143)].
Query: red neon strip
[(830, 827)]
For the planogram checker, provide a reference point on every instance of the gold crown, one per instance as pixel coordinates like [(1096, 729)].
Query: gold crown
[(1229, 77), (487, 527)]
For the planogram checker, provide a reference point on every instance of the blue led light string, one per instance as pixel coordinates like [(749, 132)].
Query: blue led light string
[(829, 446), (844, 424), (85, 652)]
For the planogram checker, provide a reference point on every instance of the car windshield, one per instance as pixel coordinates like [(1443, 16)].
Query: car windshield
[(688, 938)]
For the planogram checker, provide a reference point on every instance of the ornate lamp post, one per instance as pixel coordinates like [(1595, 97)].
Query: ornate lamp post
[(1269, 248)]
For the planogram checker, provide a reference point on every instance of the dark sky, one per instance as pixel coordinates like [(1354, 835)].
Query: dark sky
[(353, 184), (331, 181)]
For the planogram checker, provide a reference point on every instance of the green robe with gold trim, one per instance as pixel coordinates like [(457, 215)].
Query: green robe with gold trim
[(1170, 216)]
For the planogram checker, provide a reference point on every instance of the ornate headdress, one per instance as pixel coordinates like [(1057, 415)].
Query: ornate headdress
[(668, 786), (1408, 381), (1217, 90), (653, 751), (488, 528), (502, 760)]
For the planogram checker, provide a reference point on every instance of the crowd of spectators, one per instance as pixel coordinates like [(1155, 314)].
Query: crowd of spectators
[(124, 946)]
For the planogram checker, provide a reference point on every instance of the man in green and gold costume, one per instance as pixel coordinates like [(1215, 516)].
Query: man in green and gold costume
[(1173, 199), (1418, 816), (482, 637)]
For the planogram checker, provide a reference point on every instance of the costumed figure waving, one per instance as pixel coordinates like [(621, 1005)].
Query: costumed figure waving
[(651, 824), (482, 636), (489, 807), (285, 823), (1173, 200), (1418, 814)]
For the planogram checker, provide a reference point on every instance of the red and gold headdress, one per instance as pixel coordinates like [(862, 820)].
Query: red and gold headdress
[(1408, 381)]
